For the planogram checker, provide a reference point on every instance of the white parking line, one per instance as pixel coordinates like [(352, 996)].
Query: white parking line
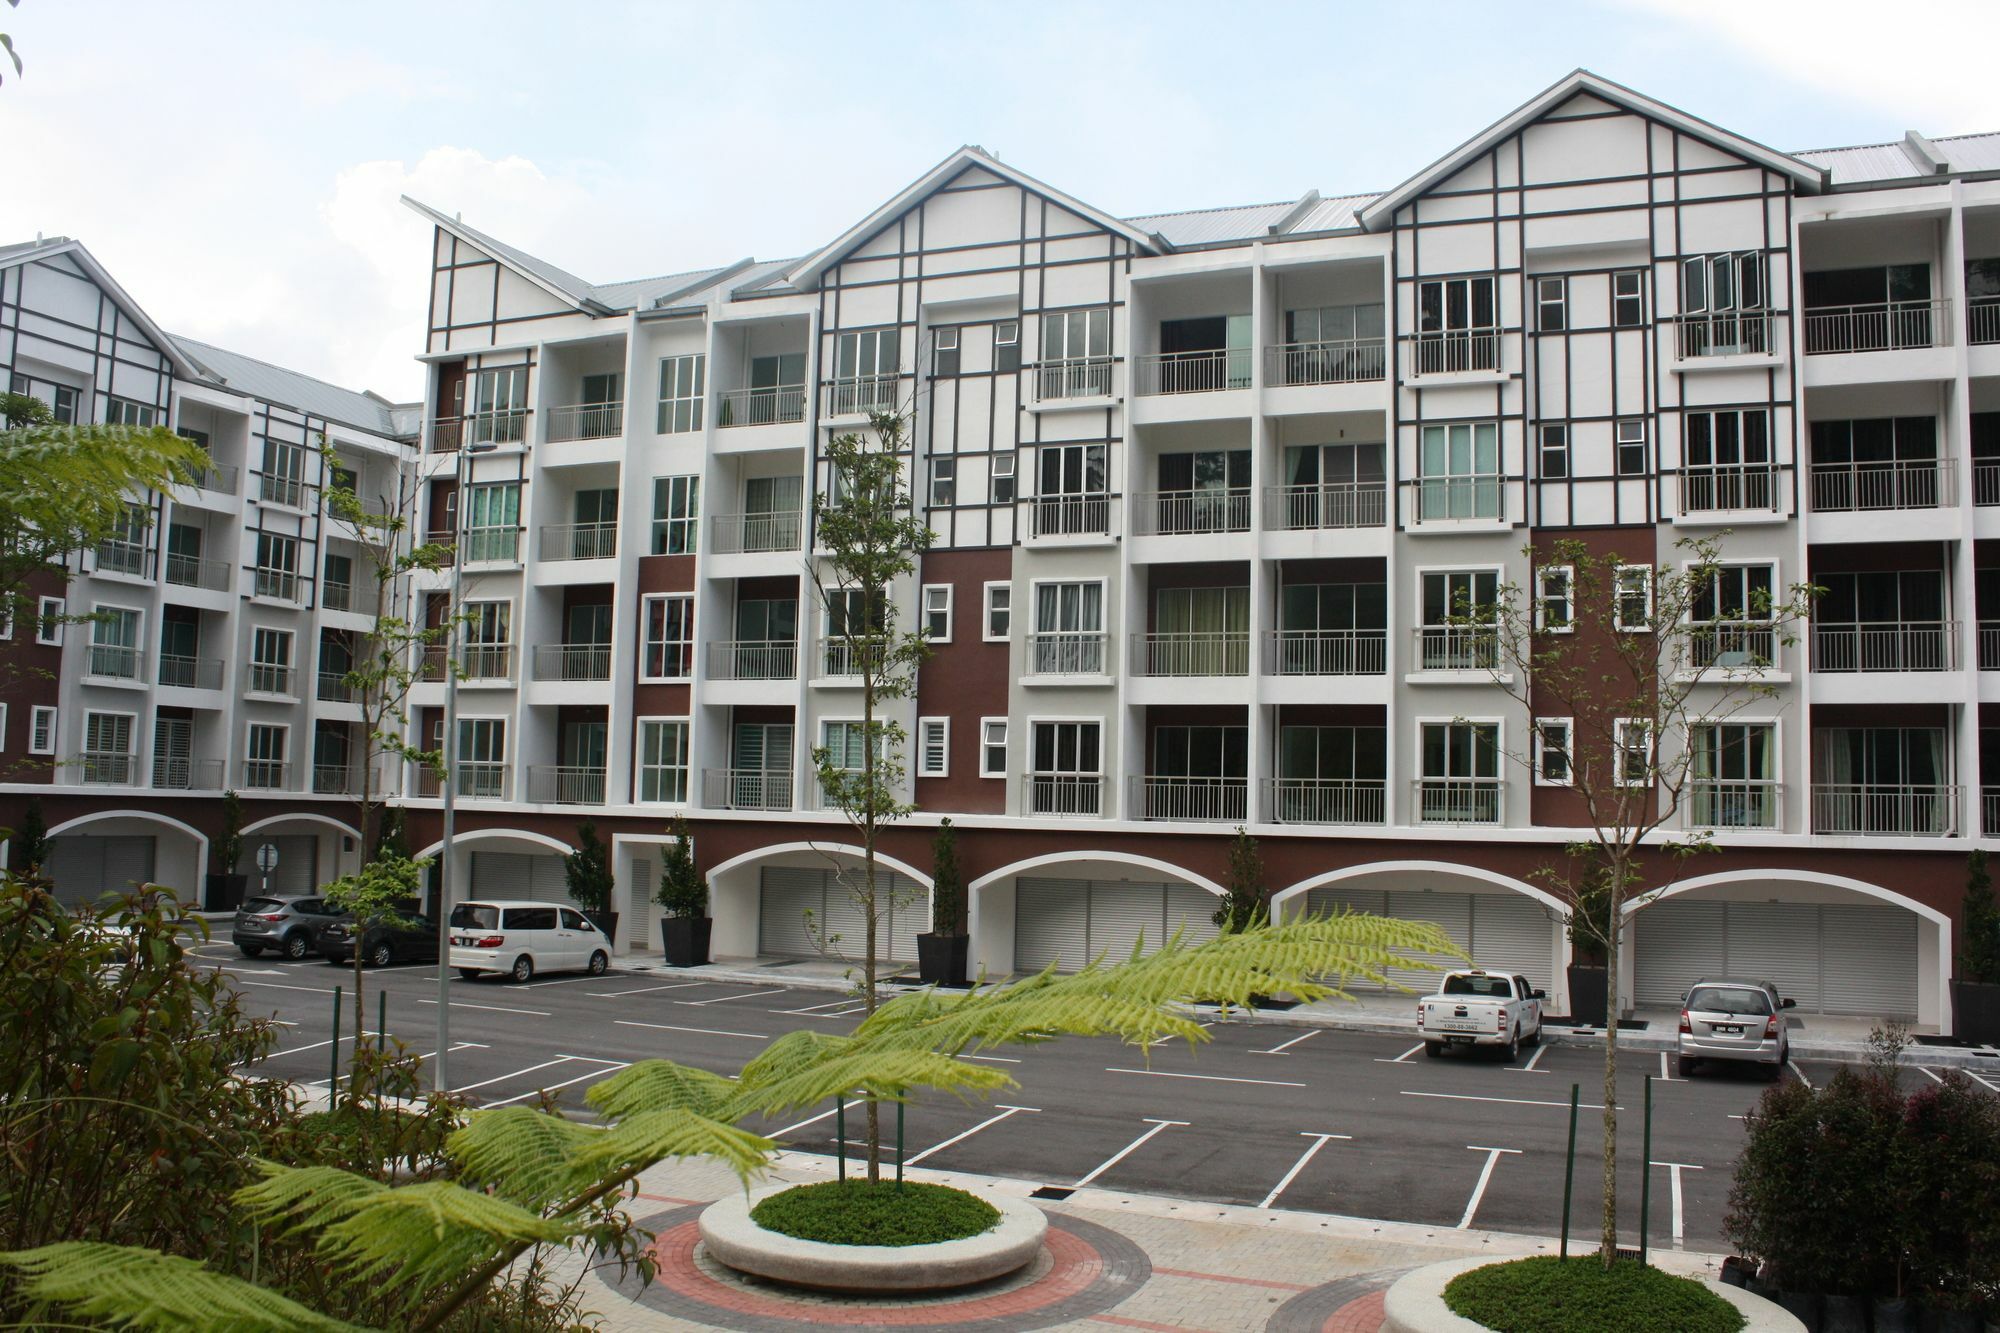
[(493, 1008), (815, 1008), (776, 1133), (613, 1066), (1399, 1059), (1674, 1170), (1800, 1072), (706, 1032), (1319, 1141), (1281, 1047), (1485, 1175), (1982, 1081), (1207, 1078), (456, 1046), (258, 972), (838, 1013), (1665, 1077), (748, 995), (1005, 1111), (1933, 1076), (1161, 1041), (1126, 1151), (1511, 1101), (560, 981), (996, 1059), (1533, 1060), (502, 1078), (273, 985), (314, 1046), (645, 990)]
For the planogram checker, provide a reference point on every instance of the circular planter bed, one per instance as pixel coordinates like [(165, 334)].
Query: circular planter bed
[(1517, 1301), (733, 1236)]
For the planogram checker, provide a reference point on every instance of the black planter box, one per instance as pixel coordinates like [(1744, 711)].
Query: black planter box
[(224, 893), (606, 922), (941, 959), (1976, 1012), (685, 939), (1587, 1001)]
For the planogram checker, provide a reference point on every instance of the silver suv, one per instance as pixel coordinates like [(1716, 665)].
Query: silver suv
[(1726, 1018), (286, 925)]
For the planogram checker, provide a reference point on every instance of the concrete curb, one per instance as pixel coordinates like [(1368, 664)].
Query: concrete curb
[(1415, 1303)]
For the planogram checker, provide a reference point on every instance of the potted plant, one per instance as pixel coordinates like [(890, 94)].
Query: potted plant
[(1975, 991), (587, 871), (1589, 1006), (28, 846), (941, 952), (686, 928), (224, 890)]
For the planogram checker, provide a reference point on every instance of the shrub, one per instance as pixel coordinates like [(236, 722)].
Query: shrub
[(1550, 1295), (858, 1212), (683, 888), (947, 884), (1243, 904), (587, 871), (1946, 1178)]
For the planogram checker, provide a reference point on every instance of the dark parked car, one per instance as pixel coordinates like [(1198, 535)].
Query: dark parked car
[(285, 924), (409, 939)]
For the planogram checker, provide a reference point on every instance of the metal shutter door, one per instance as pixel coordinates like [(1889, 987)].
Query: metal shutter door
[(1451, 911), (127, 861), (1778, 943), (911, 918), (1512, 934), (1123, 916), (638, 894), (76, 867), (496, 877), (1192, 912), (1676, 943), (1051, 924), (843, 928), (1333, 902), (1869, 960), (547, 881), (785, 895)]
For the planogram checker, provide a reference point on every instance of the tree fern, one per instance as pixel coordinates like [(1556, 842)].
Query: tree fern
[(659, 1085), (138, 1288)]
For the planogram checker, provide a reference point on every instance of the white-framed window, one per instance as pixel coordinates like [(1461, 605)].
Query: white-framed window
[(681, 381), (1734, 772), (1720, 283), (1007, 346), (1459, 471), (944, 353), (944, 483), (1630, 438), (992, 747), (933, 747), (114, 642), (1003, 479), (124, 412), (1555, 599), (999, 612), (270, 661), (663, 760), (846, 743), (1066, 749), (41, 729), (1632, 599), (676, 515), (1554, 746), (1551, 305), (1460, 772), (1628, 299), (482, 757), (264, 747), (6, 617), (1632, 746), (937, 612), (49, 621), (667, 637), (107, 747), (1554, 458), (493, 521)]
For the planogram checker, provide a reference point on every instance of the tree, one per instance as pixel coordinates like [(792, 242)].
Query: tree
[(1243, 904), (871, 539), (1644, 661), (383, 892), (1979, 958), (29, 846), (228, 845), (587, 872), (947, 883), (683, 888)]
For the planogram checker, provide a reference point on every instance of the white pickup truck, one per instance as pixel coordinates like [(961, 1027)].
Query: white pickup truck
[(1478, 1008)]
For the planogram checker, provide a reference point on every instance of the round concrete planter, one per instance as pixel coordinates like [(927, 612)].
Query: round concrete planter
[(731, 1237), (1416, 1303)]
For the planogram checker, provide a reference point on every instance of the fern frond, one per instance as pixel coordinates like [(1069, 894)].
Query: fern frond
[(792, 1053), (134, 1288), (659, 1085), (881, 1070), (640, 1140), (522, 1154)]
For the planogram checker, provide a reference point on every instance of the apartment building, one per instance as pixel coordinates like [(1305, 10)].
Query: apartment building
[(1205, 487)]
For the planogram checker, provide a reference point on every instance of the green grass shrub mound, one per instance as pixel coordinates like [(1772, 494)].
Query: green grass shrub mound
[(1550, 1295), (854, 1212)]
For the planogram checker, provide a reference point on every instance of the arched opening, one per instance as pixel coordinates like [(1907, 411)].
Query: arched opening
[(806, 900), (306, 851), (113, 850), (503, 865), (1067, 908)]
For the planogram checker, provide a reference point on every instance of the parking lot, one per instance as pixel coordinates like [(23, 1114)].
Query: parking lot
[(1310, 1119)]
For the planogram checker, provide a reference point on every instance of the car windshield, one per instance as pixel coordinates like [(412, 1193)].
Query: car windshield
[(260, 906), (1499, 987), (1729, 1000), (478, 916)]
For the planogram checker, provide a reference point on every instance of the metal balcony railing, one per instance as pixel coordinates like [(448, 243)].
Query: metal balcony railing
[(565, 784), (1347, 504), (778, 405), (1982, 320), (1343, 361), (585, 421), (1067, 653), (572, 661), (274, 489), (1218, 653), (753, 659), (1718, 803), (484, 661), (579, 541), (1209, 371), (1752, 486), (1732, 645), (282, 584), (1197, 798), (484, 780), (334, 780), (1326, 652), (1989, 812), (268, 678), (1854, 808), (267, 775), (1077, 377), (1989, 645), (1454, 350), (1879, 327), (122, 558), (188, 571), (1327, 800), (335, 688), (216, 478), (1902, 646), (1069, 515), (104, 768), (860, 395), (490, 545), (1456, 648), (1458, 499), (335, 595), (108, 661), (1186, 513), (747, 788), (1986, 483), (1728, 333), (175, 774), (843, 657), (190, 673), (745, 534), (1458, 800), (1063, 793), (501, 427), (1920, 483)]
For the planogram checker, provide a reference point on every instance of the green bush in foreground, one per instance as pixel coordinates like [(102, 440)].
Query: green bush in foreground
[(1549, 1295), (857, 1212)]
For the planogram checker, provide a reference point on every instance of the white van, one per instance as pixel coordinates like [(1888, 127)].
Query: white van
[(518, 940)]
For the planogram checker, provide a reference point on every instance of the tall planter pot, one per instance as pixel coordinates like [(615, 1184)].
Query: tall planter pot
[(685, 939), (1976, 1012), (941, 959), (1587, 1001), (224, 893)]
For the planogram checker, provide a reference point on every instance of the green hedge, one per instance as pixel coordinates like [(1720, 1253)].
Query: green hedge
[(854, 1212), (1550, 1295)]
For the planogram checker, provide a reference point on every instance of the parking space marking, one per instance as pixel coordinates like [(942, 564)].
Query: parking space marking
[(995, 1059), (502, 1078), (1665, 1077), (858, 1101), (456, 1046), (1982, 1081), (1206, 1078), (815, 1008), (1318, 1141), (645, 990), (1485, 1175), (706, 1032), (1674, 1170), (1380, 1060), (1281, 1047), (612, 1067), (1511, 1101), (838, 1013), (559, 981), (1533, 1060), (492, 1008), (1005, 1111), (720, 998), (1800, 1072), (314, 1046), (1161, 1041), (1933, 1076), (274, 985), (1128, 1149)]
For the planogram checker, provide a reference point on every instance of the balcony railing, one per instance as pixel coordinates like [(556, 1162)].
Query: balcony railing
[(334, 780), (1070, 515), (1752, 486), (503, 427), (1207, 371), (335, 595), (1986, 483), (586, 421), (1068, 653), (1063, 793), (743, 534), (753, 659), (174, 774), (101, 768), (1455, 350), (108, 661), (282, 584), (860, 395), (1982, 320), (1185, 513), (1989, 645), (267, 775), (190, 673), (1850, 808), (1989, 812), (1723, 804), (274, 489), (1457, 648), (1347, 504), (565, 784), (1880, 327), (335, 688), (190, 571), (1732, 645), (491, 545), (1326, 652), (579, 541), (1729, 333), (1078, 377), (1189, 798), (572, 661), (747, 788), (1346, 361), (1904, 646), (484, 780), (778, 405), (843, 657), (268, 678), (1458, 800), (1458, 499), (1217, 653), (122, 558), (485, 661), (216, 478), (1327, 800), (1921, 483)]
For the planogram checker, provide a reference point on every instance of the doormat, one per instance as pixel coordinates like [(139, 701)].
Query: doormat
[(1932, 1039)]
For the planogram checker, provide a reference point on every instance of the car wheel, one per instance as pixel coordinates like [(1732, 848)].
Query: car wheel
[(1535, 1037), (295, 945), (470, 973), (1514, 1046), (1434, 1049), (381, 955), (250, 950), (523, 969), (598, 962), (1684, 1065), (1772, 1073)]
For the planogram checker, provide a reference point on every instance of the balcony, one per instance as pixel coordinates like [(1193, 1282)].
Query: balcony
[(281, 584), (1989, 645), (1730, 333), (1187, 513), (572, 661), (190, 673), (1208, 371), (113, 662), (1077, 377), (335, 780), (1989, 812), (1721, 804), (750, 534), (335, 595), (105, 768), (1063, 794), (847, 658), (1195, 798), (565, 784), (1349, 361), (1326, 652), (779, 405), (1327, 800), (1732, 645), (1886, 646), (1067, 653), (1455, 351), (188, 571), (268, 678), (1069, 516), (1217, 653), (1457, 648), (484, 780), (498, 546), (505, 427), (585, 421), (267, 775), (1351, 504), (1852, 809), (1468, 499), (862, 395), (1982, 320), (127, 558), (1881, 327), (216, 478), (1923, 483), (1986, 483), (579, 541), (277, 490), (334, 688), (174, 774), (753, 659), (485, 661), (747, 788), (1729, 487), (1458, 800)]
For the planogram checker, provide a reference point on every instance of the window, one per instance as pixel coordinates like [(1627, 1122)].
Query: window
[(937, 612), (1734, 775), (107, 747), (1456, 330), (1555, 599), (667, 646), (264, 756), (1553, 742), (999, 612), (944, 354), (124, 412), (1632, 743), (1722, 305), (681, 379), (1727, 461), (41, 729), (1460, 472), (1069, 629), (1461, 773), (865, 367), (933, 747), (49, 621), (1555, 453), (1632, 599), (277, 566), (114, 642), (493, 525), (270, 661), (1457, 605), (992, 747), (1551, 305), (284, 474), (1628, 301), (1076, 354), (663, 760), (1631, 445), (1003, 479), (1065, 768), (1072, 492), (676, 513), (502, 403), (482, 757), (1007, 347), (944, 483), (847, 744), (60, 398)]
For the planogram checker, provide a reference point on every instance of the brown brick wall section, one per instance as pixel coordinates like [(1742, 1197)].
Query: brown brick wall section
[(965, 680)]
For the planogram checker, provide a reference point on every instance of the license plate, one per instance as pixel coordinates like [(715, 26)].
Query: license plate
[(461, 939), (1459, 1041), (1730, 1029)]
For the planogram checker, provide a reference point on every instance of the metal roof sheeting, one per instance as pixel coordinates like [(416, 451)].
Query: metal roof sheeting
[(1208, 226), (1868, 162), (1971, 152), (288, 388), (639, 293)]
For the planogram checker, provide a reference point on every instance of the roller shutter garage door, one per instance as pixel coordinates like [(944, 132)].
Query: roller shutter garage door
[(1503, 932), (298, 863), (837, 925), (83, 867), (515, 877), (1833, 958), (1068, 922)]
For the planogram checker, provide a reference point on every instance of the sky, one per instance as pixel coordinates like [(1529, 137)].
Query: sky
[(238, 166)]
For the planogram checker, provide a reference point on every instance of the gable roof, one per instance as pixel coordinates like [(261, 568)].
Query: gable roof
[(290, 388), (1377, 215), (31, 251), (564, 286)]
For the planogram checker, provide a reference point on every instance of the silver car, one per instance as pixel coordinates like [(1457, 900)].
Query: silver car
[(284, 925), (1727, 1018)]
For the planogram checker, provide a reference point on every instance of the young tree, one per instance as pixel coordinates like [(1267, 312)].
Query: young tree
[(1644, 661), (1243, 905), (29, 845), (1979, 955), (871, 539), (683, 888), (382, 892), (587, 873)]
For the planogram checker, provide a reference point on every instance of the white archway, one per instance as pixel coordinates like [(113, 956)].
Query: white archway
[(182, 873), (736, 896), (990, 898), (334, 856), (302, 817), (819, 849), (556, 845), (1167, 868), (1284, 897)]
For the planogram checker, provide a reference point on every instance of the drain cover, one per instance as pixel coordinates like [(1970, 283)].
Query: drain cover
[(1052, 1192)]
